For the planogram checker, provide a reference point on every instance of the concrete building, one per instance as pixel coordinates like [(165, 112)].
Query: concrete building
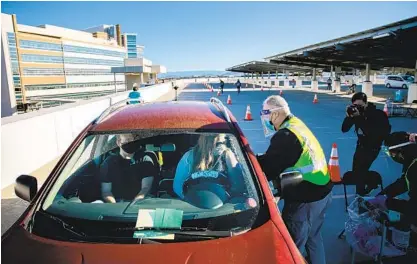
[(51, 65)]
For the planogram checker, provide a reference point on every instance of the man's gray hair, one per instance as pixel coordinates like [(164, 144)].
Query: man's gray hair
[(276, 101)]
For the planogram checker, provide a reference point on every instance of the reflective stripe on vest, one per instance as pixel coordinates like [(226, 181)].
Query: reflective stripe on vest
[(406, 174), (312, 162)]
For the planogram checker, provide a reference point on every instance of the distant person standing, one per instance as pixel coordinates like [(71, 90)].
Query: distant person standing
[(221, 86), (134, 96), (329, 84), (238, 85)]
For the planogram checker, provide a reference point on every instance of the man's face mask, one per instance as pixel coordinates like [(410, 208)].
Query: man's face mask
[(395, 152), (129, 148), (267, 125)]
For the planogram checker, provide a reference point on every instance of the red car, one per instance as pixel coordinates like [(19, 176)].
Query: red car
[(149, 203)]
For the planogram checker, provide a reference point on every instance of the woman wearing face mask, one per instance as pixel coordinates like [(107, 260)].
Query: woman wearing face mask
[(402, 150), (293, 147), (209, 158)]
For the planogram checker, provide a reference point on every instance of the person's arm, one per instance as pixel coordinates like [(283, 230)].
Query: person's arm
[(181, 174), (106, 193), (106, 183), (148, 169), (396, 188), (283, 152), (146, 187), (348, 122), (234, 170)]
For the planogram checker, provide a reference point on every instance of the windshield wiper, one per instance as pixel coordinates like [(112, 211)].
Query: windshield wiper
[(82, 237), (183, 231)]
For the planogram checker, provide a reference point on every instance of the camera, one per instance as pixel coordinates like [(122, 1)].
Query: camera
[(352, 109)]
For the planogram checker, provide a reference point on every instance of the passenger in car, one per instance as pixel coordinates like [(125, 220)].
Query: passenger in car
[(210, 155), (125, 178)]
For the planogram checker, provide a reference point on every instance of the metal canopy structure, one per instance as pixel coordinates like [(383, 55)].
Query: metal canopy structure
[(392, 45), (265, 67)]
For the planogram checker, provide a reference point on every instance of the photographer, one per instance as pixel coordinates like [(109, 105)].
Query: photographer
[(372, 127)]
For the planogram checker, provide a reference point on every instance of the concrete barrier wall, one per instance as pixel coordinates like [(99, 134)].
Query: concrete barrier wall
[(34, 139)]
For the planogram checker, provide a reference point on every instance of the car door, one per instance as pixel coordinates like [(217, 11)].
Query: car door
[(398, 81)]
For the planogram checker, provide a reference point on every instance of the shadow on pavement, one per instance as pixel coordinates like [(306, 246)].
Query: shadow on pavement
[(11, 210)]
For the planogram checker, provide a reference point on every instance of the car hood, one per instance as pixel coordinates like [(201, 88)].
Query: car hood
[(264, 244)]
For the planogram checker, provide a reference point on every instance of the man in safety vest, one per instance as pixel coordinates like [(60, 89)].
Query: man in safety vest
[(402, 148), (293, 147)]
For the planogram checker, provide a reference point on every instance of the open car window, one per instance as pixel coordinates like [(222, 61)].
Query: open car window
[(215, 180)]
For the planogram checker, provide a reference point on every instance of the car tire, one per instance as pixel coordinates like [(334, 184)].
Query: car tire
[(404, 86), (388, 85)]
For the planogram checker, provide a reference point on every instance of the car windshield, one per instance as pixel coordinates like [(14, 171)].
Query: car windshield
[(154, 180)]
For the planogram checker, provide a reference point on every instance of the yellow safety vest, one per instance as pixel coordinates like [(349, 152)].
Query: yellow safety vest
[(406, 174), (312, 162)]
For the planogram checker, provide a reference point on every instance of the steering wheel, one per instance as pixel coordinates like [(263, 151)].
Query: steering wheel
[(207, 192)]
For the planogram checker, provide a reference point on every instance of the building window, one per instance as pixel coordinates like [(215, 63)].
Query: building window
[(11, 39), (43, 71), (74, 60), (30, 44), (88, 72), (78, 49), (71, 85), (41, 58)]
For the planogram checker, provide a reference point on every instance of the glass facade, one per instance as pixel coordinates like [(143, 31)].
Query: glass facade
[(131, 46), (40, 45), (70, 85), (72, 60), (15, 68)]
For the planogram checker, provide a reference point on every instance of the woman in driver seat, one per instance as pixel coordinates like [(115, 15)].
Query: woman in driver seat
[(210, 158)]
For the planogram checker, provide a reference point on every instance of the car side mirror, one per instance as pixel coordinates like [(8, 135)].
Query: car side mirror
[(26, 187), (289, 183)]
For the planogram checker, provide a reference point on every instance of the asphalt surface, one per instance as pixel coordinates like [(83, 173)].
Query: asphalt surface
[(324, 119)]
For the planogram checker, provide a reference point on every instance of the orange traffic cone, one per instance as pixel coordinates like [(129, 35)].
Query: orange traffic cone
[(218, 93), (334, 168), (386, 109), (229, 100), (248, 115), (315, 100)]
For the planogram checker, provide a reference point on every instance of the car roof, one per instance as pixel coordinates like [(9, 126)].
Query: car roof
[(188, 115)]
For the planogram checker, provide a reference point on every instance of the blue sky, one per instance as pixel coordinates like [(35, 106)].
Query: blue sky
[(216, 35)]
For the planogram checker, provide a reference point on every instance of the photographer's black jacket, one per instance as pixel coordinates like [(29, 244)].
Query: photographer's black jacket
[(371, 128)]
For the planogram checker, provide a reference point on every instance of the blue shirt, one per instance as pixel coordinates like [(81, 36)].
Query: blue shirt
[(184, 171), (135, 96)]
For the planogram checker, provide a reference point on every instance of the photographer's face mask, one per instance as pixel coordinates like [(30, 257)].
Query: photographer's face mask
[(267, 125)]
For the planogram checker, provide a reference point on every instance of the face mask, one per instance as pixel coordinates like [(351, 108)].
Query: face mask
[(267, 125), (397, 157), (129, 148)]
